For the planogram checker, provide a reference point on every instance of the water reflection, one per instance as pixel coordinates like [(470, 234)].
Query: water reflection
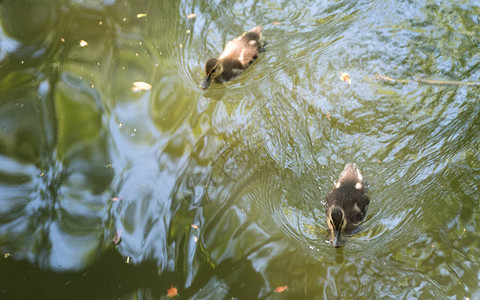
[(221, 192)]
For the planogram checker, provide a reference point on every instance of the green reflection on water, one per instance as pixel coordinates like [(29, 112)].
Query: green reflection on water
[(220, 192)]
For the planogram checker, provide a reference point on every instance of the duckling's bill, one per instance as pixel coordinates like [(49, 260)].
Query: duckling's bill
[(207, 81), (336, 238)]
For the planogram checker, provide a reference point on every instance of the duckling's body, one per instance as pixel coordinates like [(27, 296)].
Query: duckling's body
[(238, 54), (347, 203)]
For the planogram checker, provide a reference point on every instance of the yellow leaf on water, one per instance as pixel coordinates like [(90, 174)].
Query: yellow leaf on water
[(141, 16), (345, 77), (141, 86), (281, 289), (83, 43), (172, 292), (192, 15)]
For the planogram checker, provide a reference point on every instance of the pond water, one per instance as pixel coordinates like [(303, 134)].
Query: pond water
[(220, 193)]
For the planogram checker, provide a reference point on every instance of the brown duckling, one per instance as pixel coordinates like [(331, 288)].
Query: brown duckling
[(238, 54), (347, 203)]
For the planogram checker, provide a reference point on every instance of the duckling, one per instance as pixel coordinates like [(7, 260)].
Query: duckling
[(347, 203), (238, 54)]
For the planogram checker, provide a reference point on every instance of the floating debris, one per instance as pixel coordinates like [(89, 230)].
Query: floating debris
[(192, 15), (83, 43), (116, 199), (172, 292), (117, 238), (141, 16), (425, 81), (281, 289), (345, 77), (141, 86), (194, 226)]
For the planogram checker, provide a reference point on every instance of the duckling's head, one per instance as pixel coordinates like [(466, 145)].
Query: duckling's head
[(213, 69), (336, 223)]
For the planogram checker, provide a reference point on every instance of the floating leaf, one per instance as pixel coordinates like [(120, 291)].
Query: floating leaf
[(276, 23), (281, 289), (141, 86), (194, 226), (83, 43), (345, 77), (192, 15), (141, 16), (118, 236), (172, 292), (116, 199)]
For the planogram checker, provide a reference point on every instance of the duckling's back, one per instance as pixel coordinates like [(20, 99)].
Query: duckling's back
[(241, 51)]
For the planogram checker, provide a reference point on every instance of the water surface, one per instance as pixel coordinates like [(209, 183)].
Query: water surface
[(221, 192)]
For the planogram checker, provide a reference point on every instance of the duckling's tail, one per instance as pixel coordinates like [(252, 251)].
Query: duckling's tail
[(351, 171), (258, 30)]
